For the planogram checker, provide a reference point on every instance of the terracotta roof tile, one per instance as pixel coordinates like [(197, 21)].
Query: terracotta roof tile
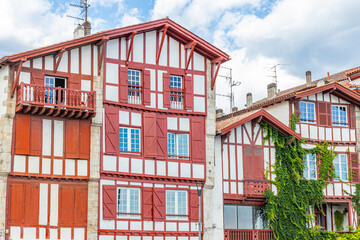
[(229, 121)]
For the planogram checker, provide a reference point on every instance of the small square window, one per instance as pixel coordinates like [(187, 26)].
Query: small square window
[(128, 202), (129, 139), (178, 144), (307, 112), (339, 115), (176, 205)]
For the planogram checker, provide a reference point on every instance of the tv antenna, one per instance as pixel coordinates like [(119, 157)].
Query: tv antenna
[(274, 76), (83, 16)]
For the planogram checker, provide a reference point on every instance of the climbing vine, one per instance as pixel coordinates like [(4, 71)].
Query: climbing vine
[(339, 220)]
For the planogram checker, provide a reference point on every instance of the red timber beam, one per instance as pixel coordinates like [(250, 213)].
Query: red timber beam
[(131, 38), (192, 46), (16, 81), (164, 30), (58, 58), (102, 44), (218, 60)]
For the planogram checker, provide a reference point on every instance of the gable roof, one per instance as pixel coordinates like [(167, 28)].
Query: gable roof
[(226, 125), (174, 30)]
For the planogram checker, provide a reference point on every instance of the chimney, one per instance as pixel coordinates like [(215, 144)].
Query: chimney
[(82, 30), (271, 89), (308, 78), (219, 112), (249, 101), (235, 109)]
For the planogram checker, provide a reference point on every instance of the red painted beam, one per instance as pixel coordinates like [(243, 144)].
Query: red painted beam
[(192, 46), (101, 44), (59, 56), (219, 61), (164, 30), (15, 83), (131, 37)]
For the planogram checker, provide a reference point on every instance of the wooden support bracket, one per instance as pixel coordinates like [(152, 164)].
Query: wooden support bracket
[(164, 31), (58, 58), (16, 81), (131, 38), (218, 61), (102, 44), (192, 46)]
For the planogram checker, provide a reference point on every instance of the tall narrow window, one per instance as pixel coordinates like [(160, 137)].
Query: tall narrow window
[(341, 166), (310, 166), (134, 87), (51, 94), (176, 205), (339, 115), (129, 139), (128, 202), (307, 112), (176, 92), (178, 144)]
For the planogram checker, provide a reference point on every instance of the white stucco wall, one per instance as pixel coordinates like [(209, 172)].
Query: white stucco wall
[(280, 111)]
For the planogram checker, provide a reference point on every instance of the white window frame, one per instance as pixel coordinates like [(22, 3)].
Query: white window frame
[(135, 97), (338, 157), (307, 166), (128, 214), (129, 139), (305, 119), (174, 216), (338, 120), (176, 153)]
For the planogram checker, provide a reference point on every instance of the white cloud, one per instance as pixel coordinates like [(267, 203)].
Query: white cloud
[(131, 17)]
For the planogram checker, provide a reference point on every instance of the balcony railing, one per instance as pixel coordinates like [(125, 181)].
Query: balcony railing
[(176, 100), (134, 95), (55, 101), (249, 234), (255, 188)]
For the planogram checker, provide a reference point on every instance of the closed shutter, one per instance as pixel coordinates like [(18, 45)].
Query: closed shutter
[(84, 141), (147, 203), (161, 136), (74, 82), (149, 134), (297, 109), (35, 136), (194, 206), (258, 164), (146, 84), (123, 85), (323, 113), (159, 204), (189, 93), (37, 78), (81, 200), (72, 138), (66, 205), (109, 202), (16, 203), (352, 117), (248, 164), (111, 130), (22, 133), (166, 89), (197, 140), (31, 202), (354, 167)]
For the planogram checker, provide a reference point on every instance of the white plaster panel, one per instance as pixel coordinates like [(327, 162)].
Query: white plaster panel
[(184, 124), (86, 60), (312, 97), (19, 163), (334, 99), (159, 185), (136, 166), (46, 166), (135, 225), (112, 73), (173, 169), (46, 138), (326, 97), (346, 187), (136, 119), (147, 184), (112, 49), (79, 233), (152, 79), (341, 149), (280, 111), (65, 233), (352, 135), (124, 117), (159, 226), (34, 164), (226, 187), (107, 224), (53, 234), (319, 96), (198, 62), (15, 232), (95, 59), (121, 238), (135, 183), (106, 237), (122, 225), (345, 134), (149, 167), (338, 191), (240, 174), (109, 163), (58, 167), (26, 64), (63, 65), (297, 130), (58, 138), (123, 164), (172, 123), (336, 134), (43, 204), (304, 130), (37, 63), (313, 132), (54, 196), (194, 226), (42, 233), (199, 104), (70, 167), (134, 238), (238, 135), (153, 100), (225, 160), (138, 48), (148, 225), (328, 134), (29, 232), (182, 54), (198, 171), (247, 133), (232, 136), (160, 168), (233, 188), (232, 162), (343, 101), (185, 170), (163, 55), (75, 60), (171, 226), (160, 80), (183, 226), (150, 49), (321, 133), (82, 167), (112, 93), (24, 77), (123, 48), (86, 85), (240, 188), (174, 53)]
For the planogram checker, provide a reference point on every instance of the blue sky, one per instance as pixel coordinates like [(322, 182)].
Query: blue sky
[(321, 36)]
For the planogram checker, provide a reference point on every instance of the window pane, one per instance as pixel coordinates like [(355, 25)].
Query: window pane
[(259, 217), (134, 77), (183, 141), (175, 81), (171, 144), (122, 200), (181, 203), (134, 201), (307, 111), (245, 217), (170, 202), (230, 217), (135, 140), (123, 139)]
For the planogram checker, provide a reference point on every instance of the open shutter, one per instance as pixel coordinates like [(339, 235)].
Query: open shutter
[(352, 116), (323, 118), (146, 84), (22, 133), (81, 201), (111, 130), (74, 82), (159, 204), (354, 163), (31, 202), (147, 203), (161, 136), (189, 93), (84, 142), (197, 140), (109, 202), (149, 134), (37, 78), (35, 136), (194, 206), (297, 109), (123, 85), (66, 205), (166, 89), (16, 203), (72, 138)]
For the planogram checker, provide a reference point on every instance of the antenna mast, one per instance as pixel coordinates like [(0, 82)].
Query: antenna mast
[(83, 16), (274, 76)]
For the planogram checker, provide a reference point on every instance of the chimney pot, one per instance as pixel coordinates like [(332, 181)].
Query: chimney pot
[(235, 109), (249, 100), (219, 112), (271, 89), (82, 30), (308, 78)]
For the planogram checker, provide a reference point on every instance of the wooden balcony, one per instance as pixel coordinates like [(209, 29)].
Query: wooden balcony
[(255, 188), (55, 101), (249, 234)]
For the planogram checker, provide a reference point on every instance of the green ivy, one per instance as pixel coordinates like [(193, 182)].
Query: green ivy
[(339, 220)]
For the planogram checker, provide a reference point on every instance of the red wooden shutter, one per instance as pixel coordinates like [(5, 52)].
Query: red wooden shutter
[(31, 202), (37, 78), (297, 109), (352, 119), (66, 205), (146, 84), (329, 114), (109, 202), (197, 139), (72, 138), (84, 141), (149, 134), (194, 206), (147, 203), (166, 89), (189, 93), (258, 163), (354, 163), (161, 136), (123, 85), (323, 113), (159, 204), (248, 164), (16, 203), (111, 130), (74, 82), (81, 200), (22, 133), (35, 136)]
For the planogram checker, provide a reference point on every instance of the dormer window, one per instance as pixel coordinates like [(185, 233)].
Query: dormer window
[(307, 112)]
